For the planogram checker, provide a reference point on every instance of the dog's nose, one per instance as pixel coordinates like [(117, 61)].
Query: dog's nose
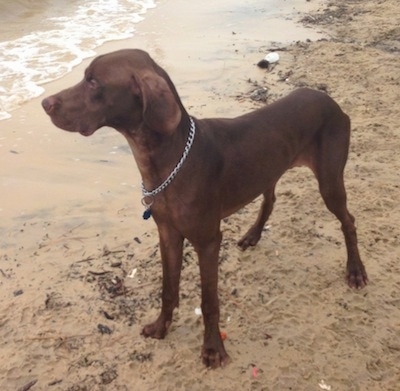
[(49, 104)]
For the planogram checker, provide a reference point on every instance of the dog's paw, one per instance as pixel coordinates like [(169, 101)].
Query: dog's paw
[(213, 351), (157, 329), (356, 277), (215, 358), (250, 239)]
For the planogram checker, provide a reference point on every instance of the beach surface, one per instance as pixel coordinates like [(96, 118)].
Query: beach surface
[(80, 271)]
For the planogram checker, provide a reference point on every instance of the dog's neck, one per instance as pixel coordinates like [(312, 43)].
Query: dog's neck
[(156, 154), (153, 192)]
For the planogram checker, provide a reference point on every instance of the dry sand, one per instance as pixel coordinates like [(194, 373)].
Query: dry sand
[(71, 233)]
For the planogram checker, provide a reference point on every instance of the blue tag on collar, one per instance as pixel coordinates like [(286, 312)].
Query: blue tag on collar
[(147, 214)]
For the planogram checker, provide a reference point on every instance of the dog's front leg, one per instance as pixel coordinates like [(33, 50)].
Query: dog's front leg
[(213, 351), (171, 247)]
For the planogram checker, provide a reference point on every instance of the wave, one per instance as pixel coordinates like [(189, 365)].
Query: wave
[(42, 41)]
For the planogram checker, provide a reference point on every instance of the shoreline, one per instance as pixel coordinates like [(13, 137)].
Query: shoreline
[(284, 304)]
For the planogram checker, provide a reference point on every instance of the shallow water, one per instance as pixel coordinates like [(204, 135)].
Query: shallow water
[(42, 41)]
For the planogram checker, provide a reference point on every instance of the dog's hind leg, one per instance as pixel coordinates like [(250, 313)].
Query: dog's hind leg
[(253, 235), (329, 166)]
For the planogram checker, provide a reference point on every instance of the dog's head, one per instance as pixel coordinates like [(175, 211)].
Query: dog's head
[(125, 90)]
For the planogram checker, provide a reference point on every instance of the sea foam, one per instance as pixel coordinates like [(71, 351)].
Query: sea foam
[(50, 45)]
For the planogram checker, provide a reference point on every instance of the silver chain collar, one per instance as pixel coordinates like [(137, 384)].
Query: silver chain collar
[(171, 177)]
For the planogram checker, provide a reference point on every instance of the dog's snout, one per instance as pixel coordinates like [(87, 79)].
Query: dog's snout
[(49, 104)]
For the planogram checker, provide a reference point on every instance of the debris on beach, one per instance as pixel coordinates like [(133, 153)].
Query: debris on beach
[(133, 273), (260, 94), (269, 61), (324, 386), (104, 329)]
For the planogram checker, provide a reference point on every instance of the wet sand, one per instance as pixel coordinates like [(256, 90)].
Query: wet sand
[(71, 228)]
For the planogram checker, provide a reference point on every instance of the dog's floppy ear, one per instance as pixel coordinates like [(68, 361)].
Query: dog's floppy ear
[(161, 111)]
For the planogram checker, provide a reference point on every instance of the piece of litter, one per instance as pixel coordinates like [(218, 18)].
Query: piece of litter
[(272, 57), (324, 386), (197, 311), (254, 372), (133, 273)]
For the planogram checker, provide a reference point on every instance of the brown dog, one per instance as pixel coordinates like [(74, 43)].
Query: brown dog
[(196, 172)]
